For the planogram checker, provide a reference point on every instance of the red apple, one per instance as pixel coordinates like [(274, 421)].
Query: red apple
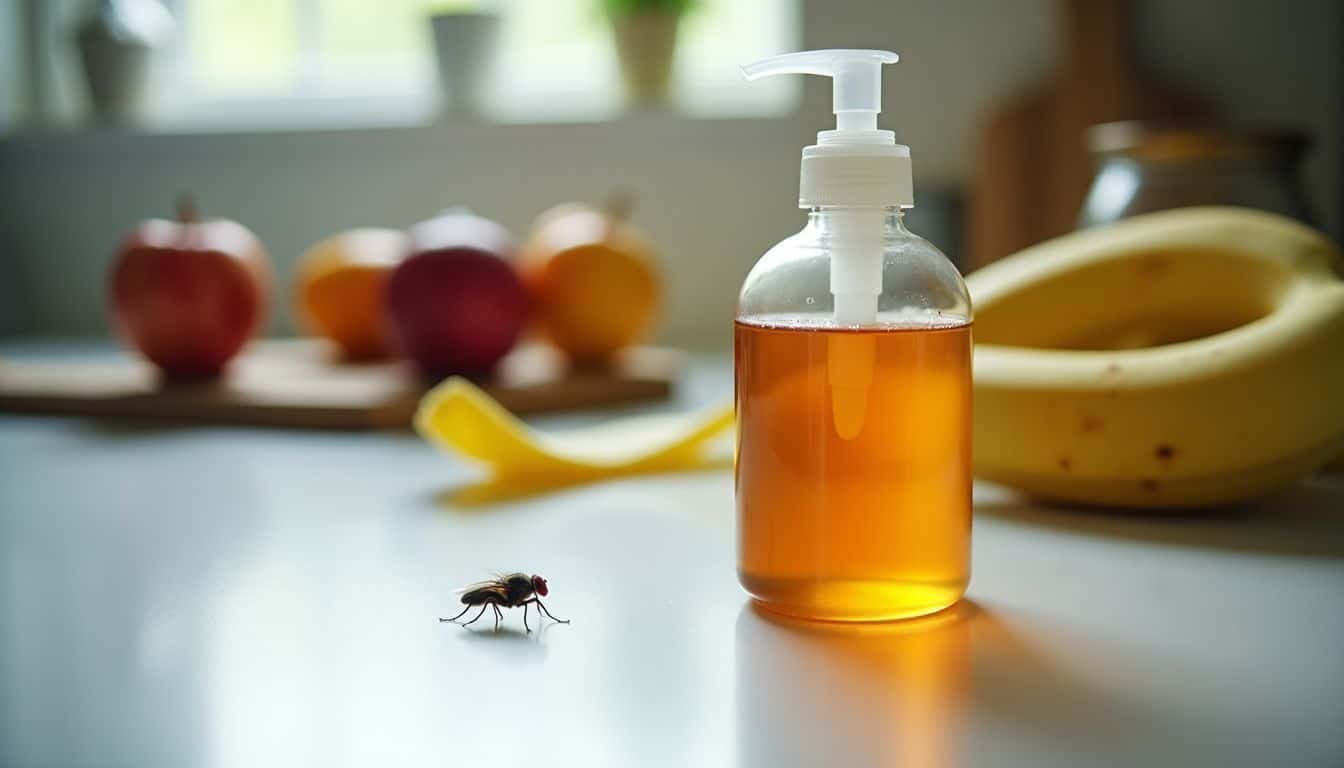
[(190, 293), (456, 303)]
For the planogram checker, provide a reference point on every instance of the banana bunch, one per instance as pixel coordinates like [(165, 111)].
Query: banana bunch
[(1187, 358)]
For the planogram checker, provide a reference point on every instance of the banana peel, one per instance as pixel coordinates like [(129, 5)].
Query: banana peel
[(458, 416)]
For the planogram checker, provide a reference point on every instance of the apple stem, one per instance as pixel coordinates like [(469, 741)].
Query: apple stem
[(187, 212)]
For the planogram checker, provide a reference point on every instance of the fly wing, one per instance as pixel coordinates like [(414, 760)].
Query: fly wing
[(497, 578)]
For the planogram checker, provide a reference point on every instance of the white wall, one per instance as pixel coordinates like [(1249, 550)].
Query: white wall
[(713, 193)]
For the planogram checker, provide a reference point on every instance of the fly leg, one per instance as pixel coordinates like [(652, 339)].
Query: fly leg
[(529, 629), (498, 616), (542, 607), (479, 615), (458, 616)]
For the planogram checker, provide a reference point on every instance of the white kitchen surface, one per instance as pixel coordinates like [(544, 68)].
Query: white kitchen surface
[(237, 597)]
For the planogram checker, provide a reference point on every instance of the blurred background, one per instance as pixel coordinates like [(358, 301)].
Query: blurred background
[(301, 118)]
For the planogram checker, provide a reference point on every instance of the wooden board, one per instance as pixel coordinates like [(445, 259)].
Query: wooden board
[(294, 384), (1032, 166)]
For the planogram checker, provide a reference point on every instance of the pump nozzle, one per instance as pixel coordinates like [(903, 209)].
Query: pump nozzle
[(857, 92), (856, 164)]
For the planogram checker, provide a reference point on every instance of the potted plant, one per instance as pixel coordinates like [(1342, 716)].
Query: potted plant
[(646, 42)]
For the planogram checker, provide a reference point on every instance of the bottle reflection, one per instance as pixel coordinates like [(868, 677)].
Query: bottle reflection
[(852, 694)]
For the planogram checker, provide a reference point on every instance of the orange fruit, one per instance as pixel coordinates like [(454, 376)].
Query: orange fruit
[(594, 285), (341, 287)]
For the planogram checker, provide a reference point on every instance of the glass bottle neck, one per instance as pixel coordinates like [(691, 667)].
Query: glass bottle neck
[(823, 219)]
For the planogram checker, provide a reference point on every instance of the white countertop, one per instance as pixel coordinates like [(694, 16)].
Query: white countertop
[(233, 597)]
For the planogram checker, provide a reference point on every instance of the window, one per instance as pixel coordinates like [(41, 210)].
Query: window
[(306, 60)]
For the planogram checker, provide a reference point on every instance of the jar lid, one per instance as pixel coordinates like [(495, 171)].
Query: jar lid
[(1184, 142)]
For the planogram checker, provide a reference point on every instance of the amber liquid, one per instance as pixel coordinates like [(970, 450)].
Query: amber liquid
[(853, 469)]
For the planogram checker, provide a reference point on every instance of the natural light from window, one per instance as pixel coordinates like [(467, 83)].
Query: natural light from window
[(361, 61)]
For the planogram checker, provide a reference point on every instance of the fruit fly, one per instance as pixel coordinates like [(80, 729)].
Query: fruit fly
[(508, 591)]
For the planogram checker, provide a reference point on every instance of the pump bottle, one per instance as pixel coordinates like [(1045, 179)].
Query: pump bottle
[(853, 383)]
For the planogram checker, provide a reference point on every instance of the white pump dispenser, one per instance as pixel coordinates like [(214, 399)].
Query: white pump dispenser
[(856, 168)]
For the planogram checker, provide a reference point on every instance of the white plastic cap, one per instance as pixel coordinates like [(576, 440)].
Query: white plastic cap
[(856, 164)]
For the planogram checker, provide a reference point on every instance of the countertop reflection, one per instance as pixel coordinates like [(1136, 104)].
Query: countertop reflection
[(871, 694)]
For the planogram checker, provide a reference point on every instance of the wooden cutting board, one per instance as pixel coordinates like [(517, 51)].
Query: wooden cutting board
[(1032, 166), (294, 383)]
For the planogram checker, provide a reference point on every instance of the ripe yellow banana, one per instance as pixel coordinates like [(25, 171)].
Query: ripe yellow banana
[(1187, 358)]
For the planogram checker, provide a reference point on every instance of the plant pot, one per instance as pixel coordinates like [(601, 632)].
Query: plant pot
[(117, 40), (646, 45), (465, 46)]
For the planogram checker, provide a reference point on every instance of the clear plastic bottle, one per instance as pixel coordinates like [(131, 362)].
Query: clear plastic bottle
[(853, 370)]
